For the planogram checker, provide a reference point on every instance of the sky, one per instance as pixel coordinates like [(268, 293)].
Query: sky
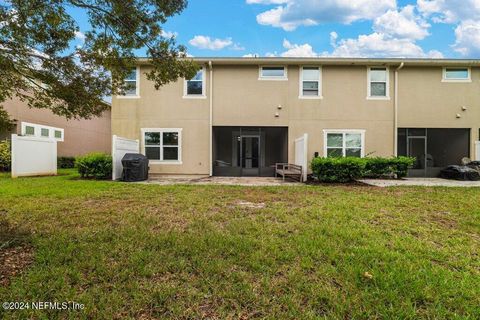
[(339, 28)]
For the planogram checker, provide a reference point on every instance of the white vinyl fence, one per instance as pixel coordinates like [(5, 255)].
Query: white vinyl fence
[(301, 154), (120, 147), (33, 156)]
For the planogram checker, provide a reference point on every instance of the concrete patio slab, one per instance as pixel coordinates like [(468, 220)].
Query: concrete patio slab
[(423, 182), (228, 181)]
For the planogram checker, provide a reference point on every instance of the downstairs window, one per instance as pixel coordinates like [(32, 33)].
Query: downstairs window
[(162, 144), (349, 143)]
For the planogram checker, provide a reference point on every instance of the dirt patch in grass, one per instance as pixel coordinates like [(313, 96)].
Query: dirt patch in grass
[(16, 254), (13, 261)]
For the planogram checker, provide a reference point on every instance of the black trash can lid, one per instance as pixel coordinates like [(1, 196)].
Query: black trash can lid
[(134, 157)]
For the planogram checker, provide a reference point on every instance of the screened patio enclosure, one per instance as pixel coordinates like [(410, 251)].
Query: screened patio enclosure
[(248, 151), (434, 149)]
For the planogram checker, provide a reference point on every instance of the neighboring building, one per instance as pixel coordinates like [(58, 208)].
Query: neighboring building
[(75, 137), (239, 116)]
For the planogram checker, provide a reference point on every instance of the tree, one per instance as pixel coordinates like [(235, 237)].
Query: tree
[(40, 65)]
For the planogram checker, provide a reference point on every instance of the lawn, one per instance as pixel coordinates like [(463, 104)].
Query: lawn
[(187, 252)]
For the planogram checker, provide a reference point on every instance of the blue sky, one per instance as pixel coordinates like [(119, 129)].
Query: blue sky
[(361, 28)]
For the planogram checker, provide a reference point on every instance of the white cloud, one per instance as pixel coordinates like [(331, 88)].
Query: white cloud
[(251, 55), (394, 35), (267, 1), (404, 24), (468, 38), (80, 36), (380, 45), (295, 13), (450, 11), (296, 50), (271, 54), (204, 42), (169, 34), (237, 47)]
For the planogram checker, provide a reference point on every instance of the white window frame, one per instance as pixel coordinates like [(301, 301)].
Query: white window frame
[(387, 89), (344, 131), (445, 79), (282, 78), (196, 96), (161, 131), (300, 92), (38, 131), (137, 87)]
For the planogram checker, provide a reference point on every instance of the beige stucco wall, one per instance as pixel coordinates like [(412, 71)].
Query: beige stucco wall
[(166, 108), (425, 101), (80, 136), (241, 99)]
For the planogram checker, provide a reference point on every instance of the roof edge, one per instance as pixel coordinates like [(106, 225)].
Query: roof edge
[(329, 61)]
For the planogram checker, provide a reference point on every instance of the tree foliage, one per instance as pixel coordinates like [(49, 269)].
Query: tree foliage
[(40, 64)]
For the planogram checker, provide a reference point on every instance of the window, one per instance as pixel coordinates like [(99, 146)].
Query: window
[(162, 144), (344, 143), (195, 88), (29, 130), (41, 131), (456, 75), (310, 82), (378, 83), (131, 84), (273, 73)]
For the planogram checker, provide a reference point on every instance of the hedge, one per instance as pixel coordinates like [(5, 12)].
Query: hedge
[(351, 168), (387, 167), (94, 165), (65, 162), (338, 169), (5, 155)]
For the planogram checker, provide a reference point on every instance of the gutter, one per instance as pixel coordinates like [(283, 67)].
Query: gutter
[(395, 112), (390, 62), (210, 120)]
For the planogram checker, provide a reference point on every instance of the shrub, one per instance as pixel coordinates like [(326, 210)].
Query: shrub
[(348, 169), (94, 165), (65, 162), (402, 164), (338, 169), (5, 156), (387, 167)]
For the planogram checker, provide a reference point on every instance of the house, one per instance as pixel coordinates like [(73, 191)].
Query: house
[(240, 116), (75, 137)]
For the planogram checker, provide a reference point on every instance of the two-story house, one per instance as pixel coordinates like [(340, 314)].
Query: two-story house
[(240, 116)]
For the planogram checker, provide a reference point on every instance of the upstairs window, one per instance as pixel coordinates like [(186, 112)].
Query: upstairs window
[(456, 74), (41, 131), (162, 144), (349, 143), (58, 134), (273, 73), (378, 83), (29, 130), (131, 84), (310, 82), (195, 87)]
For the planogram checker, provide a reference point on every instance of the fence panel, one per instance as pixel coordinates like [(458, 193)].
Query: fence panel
[(120, 147)]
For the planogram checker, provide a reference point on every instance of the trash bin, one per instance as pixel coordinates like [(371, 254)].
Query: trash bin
[(135, 167), (460, 173)]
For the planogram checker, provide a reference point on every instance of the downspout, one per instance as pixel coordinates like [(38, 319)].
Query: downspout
[(395, 112), (210, 120)]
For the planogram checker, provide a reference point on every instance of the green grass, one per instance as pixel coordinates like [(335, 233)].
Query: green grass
[(188, 252)]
